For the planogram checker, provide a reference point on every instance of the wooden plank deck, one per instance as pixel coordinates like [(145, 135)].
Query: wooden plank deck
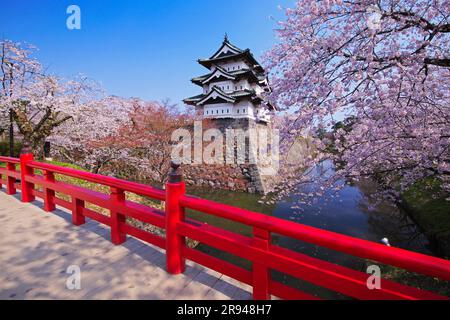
[(36, 248)]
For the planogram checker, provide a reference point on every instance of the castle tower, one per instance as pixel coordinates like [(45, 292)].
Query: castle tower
[(234, 87), (233, 98)]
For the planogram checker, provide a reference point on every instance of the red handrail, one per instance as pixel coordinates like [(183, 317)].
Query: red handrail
[(257, 249), (129, 186), (9, 160), (357, 247)]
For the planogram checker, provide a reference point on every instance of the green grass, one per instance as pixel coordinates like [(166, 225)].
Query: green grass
[(427, 204), (56, 163), (66, 165), (412, 279), (3, 165)]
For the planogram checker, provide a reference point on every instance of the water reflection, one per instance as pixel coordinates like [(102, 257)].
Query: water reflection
[(352, 212)]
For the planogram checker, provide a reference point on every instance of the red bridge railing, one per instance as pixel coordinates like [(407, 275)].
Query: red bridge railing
[(258, 249)]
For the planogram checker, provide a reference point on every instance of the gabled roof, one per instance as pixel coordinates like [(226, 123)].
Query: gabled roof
[(229, 51), (231, 75), (231, 97), (242, 93), (199, 80), (246, 54), (193, 100), (214, 93), (217, 92), (253, 72), (219, 72), (226, 49)]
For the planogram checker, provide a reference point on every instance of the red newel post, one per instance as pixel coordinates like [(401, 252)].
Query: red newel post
[(175, 188), (261, 274), (77, 212), (10, 181), (26, 156), (117, 198), (49, 194)]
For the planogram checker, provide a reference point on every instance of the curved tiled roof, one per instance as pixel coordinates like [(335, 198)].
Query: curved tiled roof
[(231, 95), (236, 74), (253, 72), (246, 54), (228, 44)]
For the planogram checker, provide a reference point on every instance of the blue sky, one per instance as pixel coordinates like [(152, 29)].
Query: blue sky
[(138, 48)]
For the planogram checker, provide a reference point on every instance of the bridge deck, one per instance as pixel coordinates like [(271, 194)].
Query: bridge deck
[(36, 248)]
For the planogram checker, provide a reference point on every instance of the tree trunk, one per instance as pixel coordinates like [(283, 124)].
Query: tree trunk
[(11, 134)]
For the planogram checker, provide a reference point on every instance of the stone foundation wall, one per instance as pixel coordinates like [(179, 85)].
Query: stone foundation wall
[(227, 177), (237, 177)]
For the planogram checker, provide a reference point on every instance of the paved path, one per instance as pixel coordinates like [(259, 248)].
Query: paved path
[(36, 248)]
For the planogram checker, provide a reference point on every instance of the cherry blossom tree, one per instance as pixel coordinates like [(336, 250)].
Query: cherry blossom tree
[(148, 137), (4, 123), (38, 103), (126, 137), (89, 137), (103, 133), (384, 63), (50, 102), (16, 69)]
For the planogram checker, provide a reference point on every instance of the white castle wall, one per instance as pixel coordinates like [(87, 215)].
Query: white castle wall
[(232, 65), (243, 109)]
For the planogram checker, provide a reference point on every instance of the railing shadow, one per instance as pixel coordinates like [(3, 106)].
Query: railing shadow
[(105, 272)]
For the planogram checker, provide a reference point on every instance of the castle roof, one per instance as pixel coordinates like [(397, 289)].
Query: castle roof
[(227, 52), (220, 65), (246, 55), (217, 95), (226, 49), (222, 74)]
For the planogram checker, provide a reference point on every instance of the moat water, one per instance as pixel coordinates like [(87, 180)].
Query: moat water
[(349, 213)]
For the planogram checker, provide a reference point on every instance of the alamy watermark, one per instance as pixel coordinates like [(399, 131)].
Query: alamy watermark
[(73, 21), (73, 282), (258, 146), (374, 280)]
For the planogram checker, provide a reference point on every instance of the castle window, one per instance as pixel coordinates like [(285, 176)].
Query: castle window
[(217, 111), (207, 111), (241, 87), (237, 110), (228, 110), (222, 111)]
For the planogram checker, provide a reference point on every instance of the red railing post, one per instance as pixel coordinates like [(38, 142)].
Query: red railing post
[(117, 197), (26, 156), (77, 212), (175, 188), (10, 181), (261, 273), (49, 194)]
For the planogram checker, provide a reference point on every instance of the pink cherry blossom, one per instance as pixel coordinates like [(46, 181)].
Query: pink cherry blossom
[(332, 61)]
